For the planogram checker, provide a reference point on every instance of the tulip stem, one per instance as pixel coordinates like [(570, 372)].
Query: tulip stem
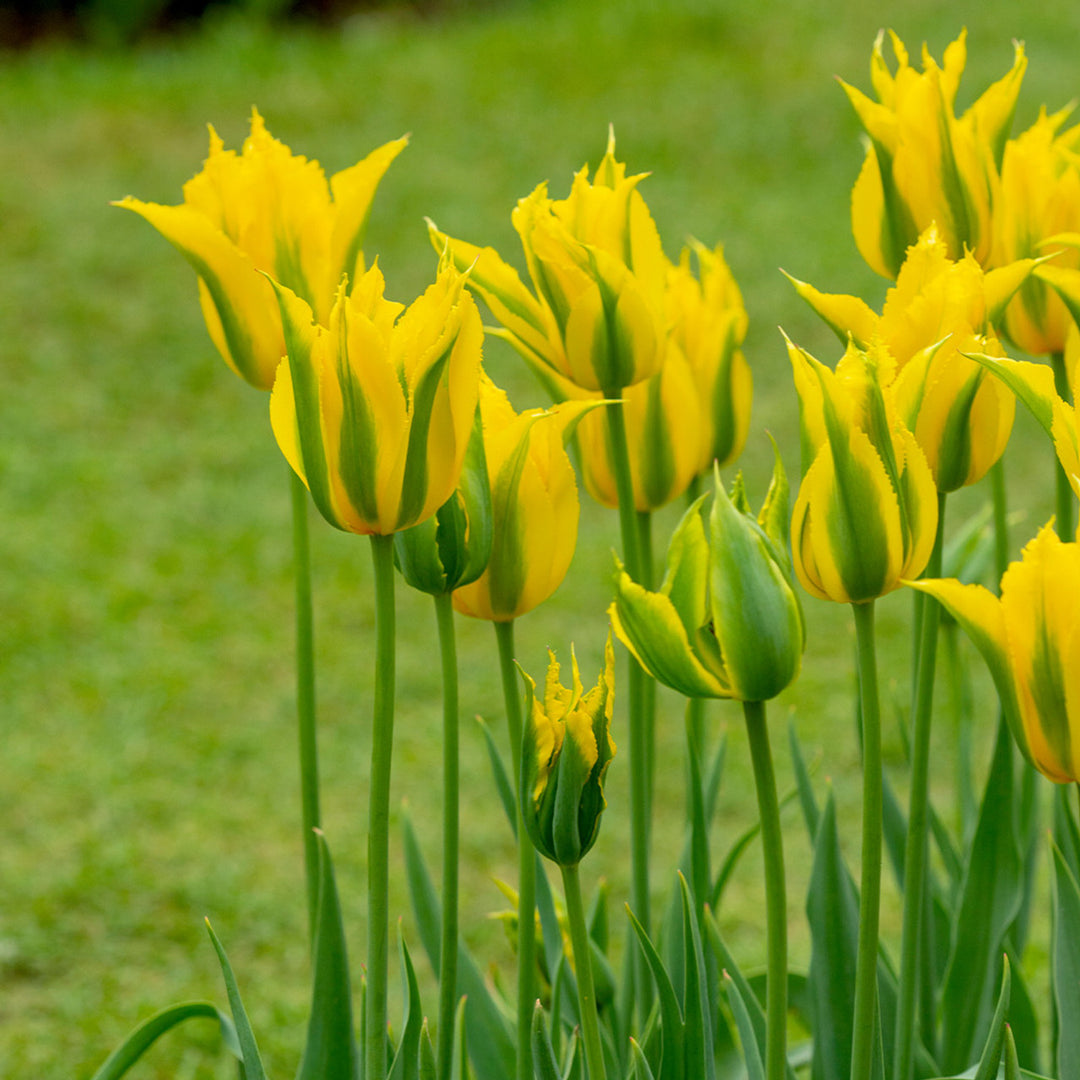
[(648, 687), (1064, 523), (448, 950), (579, 937), (916, 847), (526, 928), (1001, 518), (772, 845), (382, 742), (636, 699), (862, 1043), (305, 696)]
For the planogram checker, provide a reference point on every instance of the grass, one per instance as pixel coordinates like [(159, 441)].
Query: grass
[(148, 771)]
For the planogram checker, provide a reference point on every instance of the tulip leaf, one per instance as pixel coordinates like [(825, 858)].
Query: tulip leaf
[(995, 1039), (698, 1032), (151, 1029), (716, 775), (249, 1050), (672, 1054), (459, 1068), (330, 1052), (545, 1067), (428, 1068), (641, 1069), (489, 1032), (989, 901), (807, 799), (755, 1070), (407, 1059), (1065, 966), (501, 776)]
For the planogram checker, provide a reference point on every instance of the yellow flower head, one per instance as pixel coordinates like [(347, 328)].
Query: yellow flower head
[(374, 411), (534, 506), (267, 211), (939, 311), (1040, 199), (566, 748), (1030, 639), (599, 271), (923, 164), (866, 513)]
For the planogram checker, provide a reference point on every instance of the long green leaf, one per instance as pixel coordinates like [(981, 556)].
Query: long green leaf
[(995, 1039), (429, 1069), (989, 901), (490, 1041), (500, 775), (249, 1050), (406, 1061), (330, 1052), (807, 799), (641, 1069), (755, 1070), (459, 1070), (545, 1067), (672, 1059), (698, 1041), (1065, 966), (151, 1029)]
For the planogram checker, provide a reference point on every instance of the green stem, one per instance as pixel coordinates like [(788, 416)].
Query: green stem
[(448, 951), (526, 930), (916, 848), (772, 844), (1001, 518), (382, 743), (305, 696), (648, 688), (579, 937), (862, 1043), (1064, 519), (636, 696)]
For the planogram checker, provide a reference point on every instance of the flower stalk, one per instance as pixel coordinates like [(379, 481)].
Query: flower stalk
[(579, 937), (305, 696), (382, 740), (870, 891), (526, 928)]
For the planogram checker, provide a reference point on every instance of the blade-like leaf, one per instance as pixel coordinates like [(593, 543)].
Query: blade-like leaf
[(545, 1067), (698, 1042), (151, 1029), (249, 1050), (490, 1038), (330, 1052), (1065, 953), (755, 1070), (995, 1039), (807, 800), (406, 1061), (989, 901), (641, 1065), (428, 1069), (500, 775), (459, 1070), (672, 1061)]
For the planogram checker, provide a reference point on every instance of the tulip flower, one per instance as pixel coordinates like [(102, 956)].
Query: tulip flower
[(708, 323), (374, 412), (924, 164), (939, 310), (534, 506), (1040, 199), (595, 260), (1028, 638), (866, 512), (726, 621), (267, 211), (566, 748), (565, 751)]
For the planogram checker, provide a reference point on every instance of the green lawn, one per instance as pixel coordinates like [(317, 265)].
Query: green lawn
[(148, 775)]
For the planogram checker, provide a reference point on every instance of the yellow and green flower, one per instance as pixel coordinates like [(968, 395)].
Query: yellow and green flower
[(267, 211), (374, 411)]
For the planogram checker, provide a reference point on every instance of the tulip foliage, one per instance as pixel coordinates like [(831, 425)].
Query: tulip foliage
[(384, 412)]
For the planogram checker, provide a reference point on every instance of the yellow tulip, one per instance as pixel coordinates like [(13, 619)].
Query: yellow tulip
[(566, 749), (534, 506), (939, 311), (1040, 199), (267, 211), (866, 513), (708, 324), (599, 271), (1030, 639), (374, 412), (923, 163)]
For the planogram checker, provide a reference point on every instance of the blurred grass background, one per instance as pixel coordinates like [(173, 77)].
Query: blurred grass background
[(146, 721)]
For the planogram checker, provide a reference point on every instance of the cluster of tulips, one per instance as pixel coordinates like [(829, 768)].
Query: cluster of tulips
[(390, 424)]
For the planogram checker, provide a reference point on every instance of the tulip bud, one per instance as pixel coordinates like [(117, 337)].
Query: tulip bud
[(726, 621), (566, 748)]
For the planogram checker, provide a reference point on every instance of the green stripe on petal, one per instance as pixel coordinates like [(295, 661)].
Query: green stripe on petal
[(359, 443), (656, 458)]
